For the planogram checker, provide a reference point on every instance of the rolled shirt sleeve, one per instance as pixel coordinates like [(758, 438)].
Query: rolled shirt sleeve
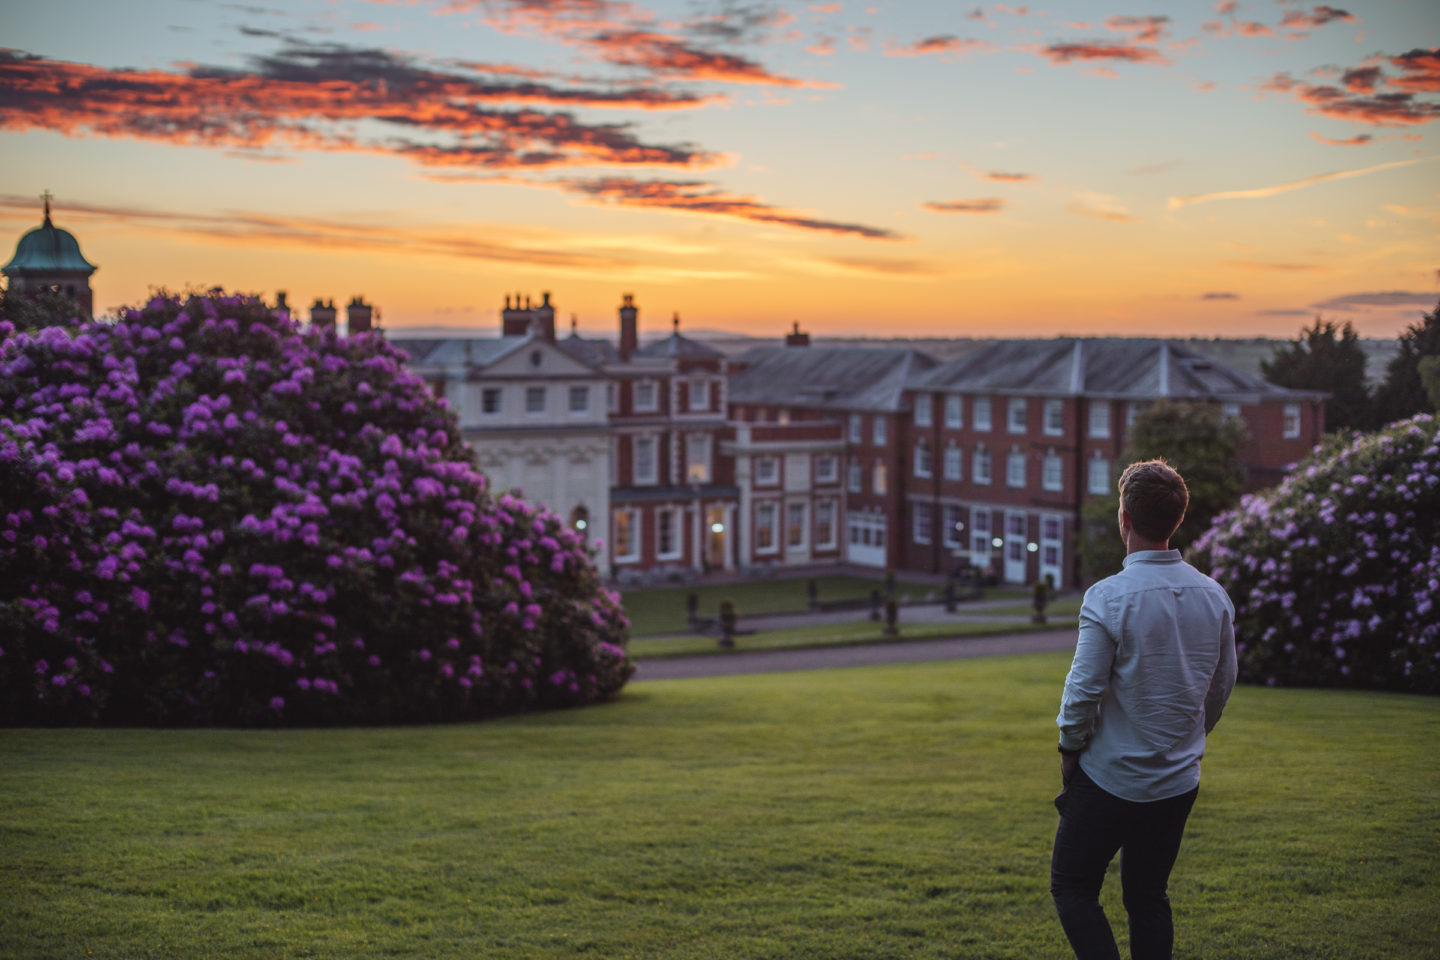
[(1089, 675)]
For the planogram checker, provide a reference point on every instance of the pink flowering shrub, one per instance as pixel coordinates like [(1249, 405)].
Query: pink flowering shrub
[(1335, 573), (208, 516)]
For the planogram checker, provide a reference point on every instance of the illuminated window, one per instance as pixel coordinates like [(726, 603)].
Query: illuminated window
[(795, 523)]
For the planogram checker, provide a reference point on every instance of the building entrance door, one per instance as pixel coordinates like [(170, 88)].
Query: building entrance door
[(716, 534), (1014, 547)]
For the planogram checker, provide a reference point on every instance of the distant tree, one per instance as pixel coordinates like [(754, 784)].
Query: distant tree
[(1403, 392), (1430, 378), (1197, 441), (1326, 357), (48, 308)]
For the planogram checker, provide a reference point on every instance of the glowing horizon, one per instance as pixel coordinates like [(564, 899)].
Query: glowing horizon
[(1224, 169)]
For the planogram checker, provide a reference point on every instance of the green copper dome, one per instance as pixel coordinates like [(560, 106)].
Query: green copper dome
[(47, 248)]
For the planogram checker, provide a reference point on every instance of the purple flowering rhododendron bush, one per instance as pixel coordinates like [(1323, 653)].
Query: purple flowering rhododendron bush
[(1335, 573), (208, 516)]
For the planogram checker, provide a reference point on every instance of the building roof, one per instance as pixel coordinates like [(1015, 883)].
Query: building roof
[(596, 353), (681, 346), (838, 378), (1101, 367), (47, 249), (457, 351)]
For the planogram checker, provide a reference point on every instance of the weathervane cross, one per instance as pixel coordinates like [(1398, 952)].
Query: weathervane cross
[(47, 197)]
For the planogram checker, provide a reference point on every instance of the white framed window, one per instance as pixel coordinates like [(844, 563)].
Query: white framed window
[(1230, 410), (878, 437), (609, 398), (953, 460), (697, 457), (699, 395), (856, 475), (825, 524), (1054, 418), (980, 414), (1015, 419), (625, 539), (922, 523), (866, 527), (1133, 410), (954, 411), (922, 459), (857, 428), (765, 521), (646, 463), (767, 471), (535, 401), (1015, 468), (492, 402), (980, 545), (952, 526), (1051, 475), (782, 416), (667, 533), (1099, 475), (826, 469), (980, 466), (922, 410), (797, 516), (647, 398), (579, 399), (879, 478), (1292, 421), (1099, 419)]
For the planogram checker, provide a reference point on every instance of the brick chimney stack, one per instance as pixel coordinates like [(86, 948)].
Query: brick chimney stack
[(322, 315), (361, 316), (797, 339), (629, 329)]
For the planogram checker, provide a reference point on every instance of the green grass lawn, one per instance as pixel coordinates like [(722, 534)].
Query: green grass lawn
[(661, 610), (883, 812), (829, 635)]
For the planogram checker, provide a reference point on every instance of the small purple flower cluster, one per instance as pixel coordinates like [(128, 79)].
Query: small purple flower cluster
[(210, 515), (1335, 573)]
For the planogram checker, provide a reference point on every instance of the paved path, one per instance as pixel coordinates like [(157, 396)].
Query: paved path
[(825, 658)]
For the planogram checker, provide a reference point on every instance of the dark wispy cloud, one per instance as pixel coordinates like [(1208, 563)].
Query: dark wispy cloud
[(1378, 109), (1419, 70), (978, 205), (941, 44), (1003, 176), (1386, 298), (1358, 140), (1219, 295), (1299, 23), (1282, 313), (1149, 29), (1101, 52), (705, 199)]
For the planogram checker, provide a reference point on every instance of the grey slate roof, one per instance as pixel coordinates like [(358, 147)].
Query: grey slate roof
[(679, 345), (457, 351), (594, 352), (1099, 367), (838, 378)]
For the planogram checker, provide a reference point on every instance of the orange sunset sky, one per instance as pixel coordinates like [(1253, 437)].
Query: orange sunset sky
[(881, 169)]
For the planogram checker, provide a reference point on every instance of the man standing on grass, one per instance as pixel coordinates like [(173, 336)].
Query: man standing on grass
[(1154, 665)]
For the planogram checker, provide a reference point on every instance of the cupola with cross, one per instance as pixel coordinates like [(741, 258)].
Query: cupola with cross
[(49, 259)]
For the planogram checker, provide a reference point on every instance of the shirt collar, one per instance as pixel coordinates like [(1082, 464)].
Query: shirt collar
[(1152, 556)]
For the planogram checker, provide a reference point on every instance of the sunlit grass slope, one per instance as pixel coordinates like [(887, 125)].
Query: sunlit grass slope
[(885, 812)]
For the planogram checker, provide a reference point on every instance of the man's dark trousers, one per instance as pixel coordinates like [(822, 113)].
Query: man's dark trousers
[(1093, 826)]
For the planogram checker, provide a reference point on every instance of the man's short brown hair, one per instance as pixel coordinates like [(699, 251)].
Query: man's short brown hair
[(1154, 496)]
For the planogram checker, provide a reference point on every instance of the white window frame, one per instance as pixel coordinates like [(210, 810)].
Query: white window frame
[(1291, 423), (981, 467), (1052, 472), (949, 525), (954, 467), (677, 546), (880, 479), (697, 467), (830, 472), (980, 414), (609, 398), (857, 428), (803, 526), (1098, 474), (856, 481), (1015, 468), (954, 411), (583, 393), (1099, 419), (1017, 412), (767, 471), (531, 409), (879, 428), (980, 545), (827, 507), (923, 519), (923, 410), (699, 395), (499, 394), (1054, 417), (633, 556), (651, 476), (772, 508), (1230, 410), (923, 465), (654, 388)]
